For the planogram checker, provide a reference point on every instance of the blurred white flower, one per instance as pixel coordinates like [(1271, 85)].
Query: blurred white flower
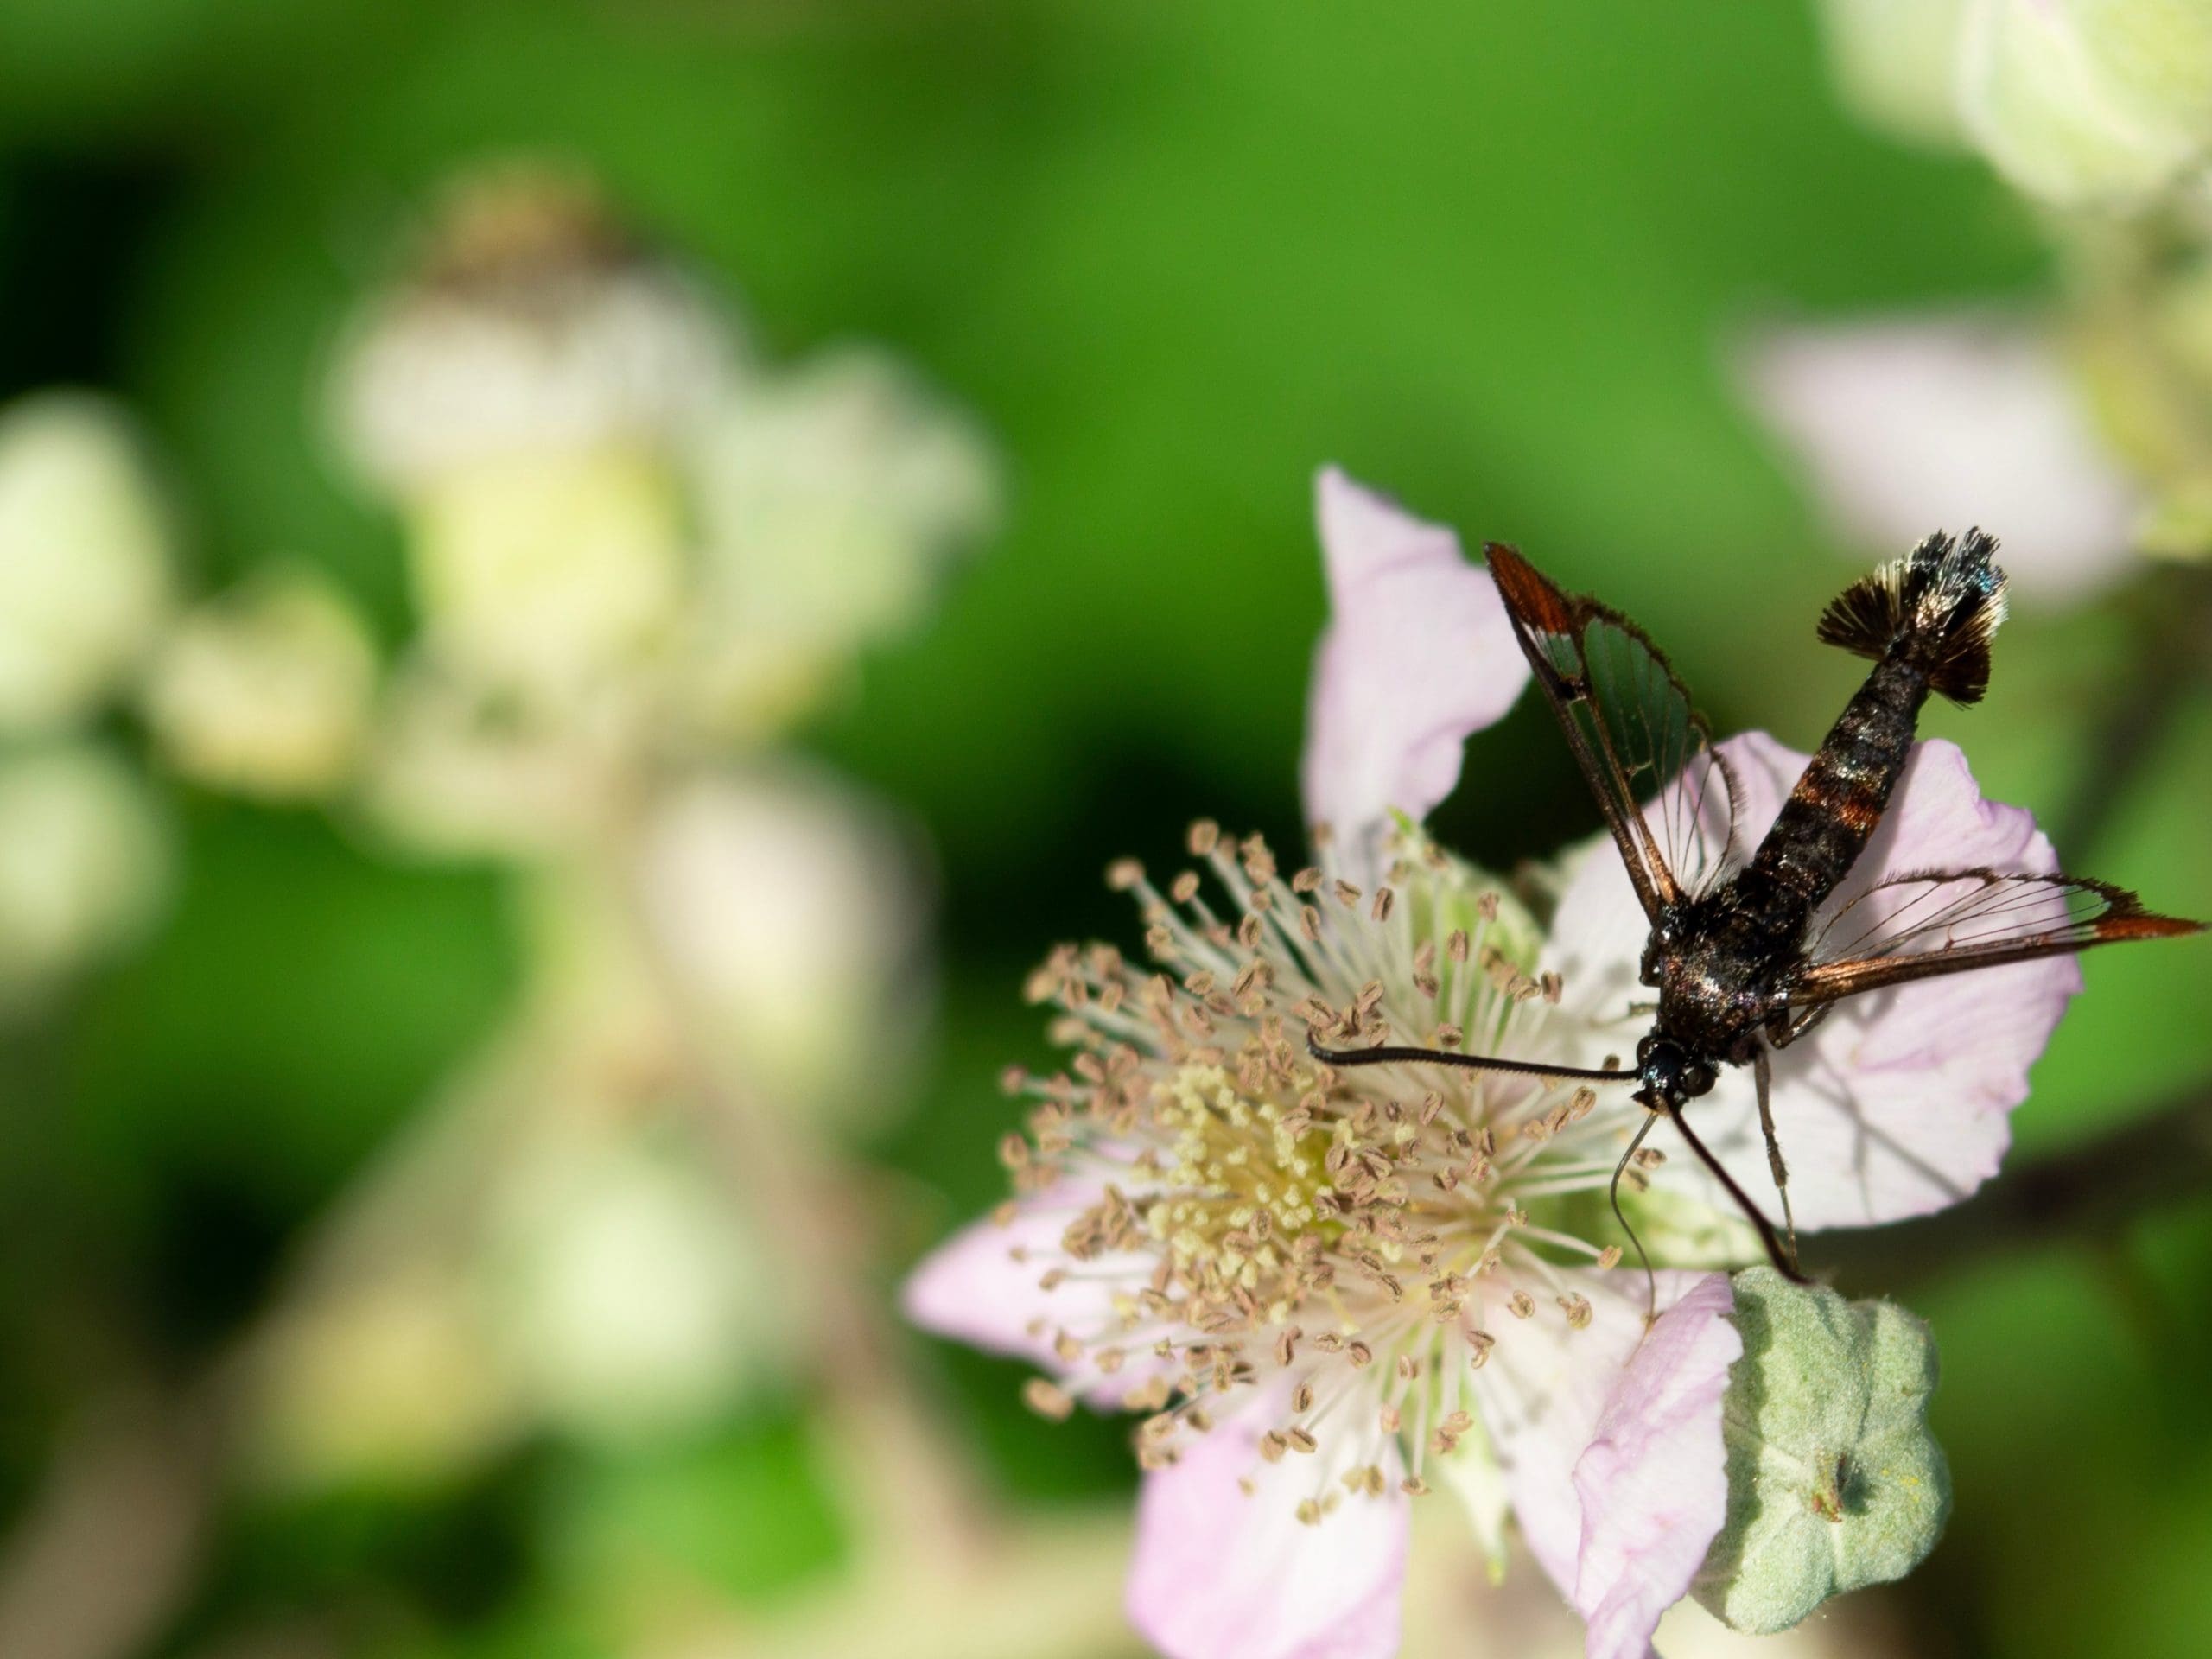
[(2086, 103), (459, 769), (385, 1378), (267, 690), (628, 1300), (624, 559), (84, 864), (596, 491), (2100, 103), (548, 569), (530, 324), (519, 397), (792, 915), (548, 1247), (830, 501), (1908, 424), (1896, 63), (84, 557)]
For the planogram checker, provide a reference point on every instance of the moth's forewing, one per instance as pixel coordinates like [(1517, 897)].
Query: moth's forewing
[(1667, 796)]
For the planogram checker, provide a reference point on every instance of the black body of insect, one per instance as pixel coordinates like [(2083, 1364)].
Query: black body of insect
[(1743, 958)]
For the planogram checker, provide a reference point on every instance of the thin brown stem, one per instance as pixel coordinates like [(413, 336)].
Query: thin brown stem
[(2172, 649), (99, 1563), (905, 1463)]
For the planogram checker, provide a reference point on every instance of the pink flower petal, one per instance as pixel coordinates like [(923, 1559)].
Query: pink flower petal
[(1417, 654), (983, 1287), (1654, 1481), (1897, 1104), (1918, 423), (1544, 1391), (1224, 1572)]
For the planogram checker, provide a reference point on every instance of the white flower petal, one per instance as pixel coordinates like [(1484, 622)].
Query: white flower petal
[(1912, 425), (1417, 654), (1225, 1570), (1899, 1103), (1544, 1390), (1654, 1482), (984, 1286)]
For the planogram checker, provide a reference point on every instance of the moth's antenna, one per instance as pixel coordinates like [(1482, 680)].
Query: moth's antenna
[(1785, 1262), (1389, 1056), (1613, 1197)]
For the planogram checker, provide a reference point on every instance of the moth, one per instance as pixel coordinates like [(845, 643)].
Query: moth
[(1743, 960)]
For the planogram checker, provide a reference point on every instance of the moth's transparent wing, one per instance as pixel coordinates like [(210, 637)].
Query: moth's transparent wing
[(1668, 796), (1948, 922), (1688, 791)]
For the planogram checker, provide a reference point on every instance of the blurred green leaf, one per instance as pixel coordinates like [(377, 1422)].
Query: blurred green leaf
[(744, 1515)]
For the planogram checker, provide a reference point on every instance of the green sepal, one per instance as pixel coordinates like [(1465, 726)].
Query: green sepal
[(1834, 1480)]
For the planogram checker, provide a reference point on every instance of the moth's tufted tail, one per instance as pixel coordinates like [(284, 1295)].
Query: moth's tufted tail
[(1936, 608)]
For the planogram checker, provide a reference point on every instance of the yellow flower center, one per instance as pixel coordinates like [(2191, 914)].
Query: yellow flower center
[(1241, 1195)]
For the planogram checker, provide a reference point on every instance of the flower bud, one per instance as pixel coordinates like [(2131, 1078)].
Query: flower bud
[(830, 500), (1895, 64), (2089, 103), (84, 557), (376, 1379), (266, 692), (2145, 369), (521, 397), (457, 769), (1834, 1480), (82, 864), (626, 1294), (546, 571), (790, 910), (529, 323)]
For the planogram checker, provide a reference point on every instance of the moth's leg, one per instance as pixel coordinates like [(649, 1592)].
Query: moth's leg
[(1786, 1027), (1613, 1197), (1762, 1075), (1785, 1260)]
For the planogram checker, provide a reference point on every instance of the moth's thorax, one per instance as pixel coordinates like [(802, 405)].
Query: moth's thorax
[(1714, 968)]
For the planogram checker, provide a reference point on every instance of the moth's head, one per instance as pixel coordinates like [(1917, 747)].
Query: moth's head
[(1667, 1074)]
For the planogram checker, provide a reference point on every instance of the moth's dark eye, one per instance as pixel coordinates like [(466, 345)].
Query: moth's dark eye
[(1697, 1078)]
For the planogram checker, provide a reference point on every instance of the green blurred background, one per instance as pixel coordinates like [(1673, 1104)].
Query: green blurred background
[(1489, 257)]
